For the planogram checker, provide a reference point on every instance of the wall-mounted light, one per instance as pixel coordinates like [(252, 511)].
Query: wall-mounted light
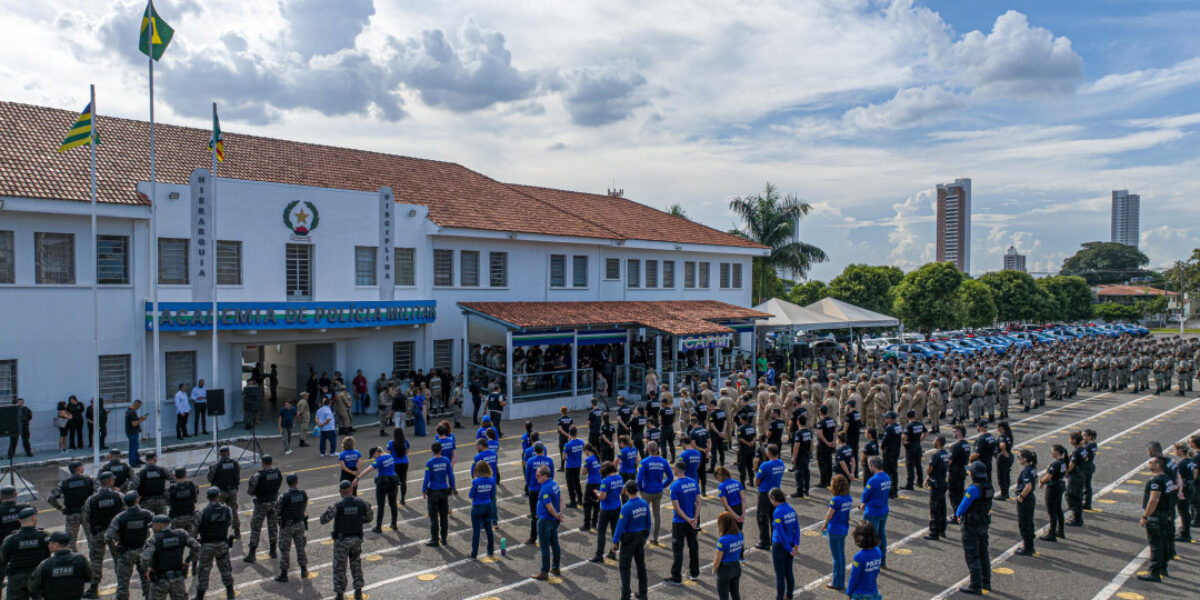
[(678, 247), (412, 212), (173, 195), (252, 332), (190, 334)]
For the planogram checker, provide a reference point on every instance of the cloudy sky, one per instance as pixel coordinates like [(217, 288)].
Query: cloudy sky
[(859, 107)]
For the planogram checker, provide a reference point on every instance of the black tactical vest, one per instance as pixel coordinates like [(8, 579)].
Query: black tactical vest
[(267, 489), (10, 519), (152, 483), (181, 499), (76, 490), (169, 545), (105, 505), (26, 549), (214, 523), (121, 472), (349, 519), (979, 513), (64, 576), (133, 527), (293, 505), (227, 475)]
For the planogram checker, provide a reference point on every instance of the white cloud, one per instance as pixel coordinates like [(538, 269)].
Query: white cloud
[(1014, 60), (909, 107), (1181, 74)]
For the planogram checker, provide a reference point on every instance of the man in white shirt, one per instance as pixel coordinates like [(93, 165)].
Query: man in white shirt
[(183, 407), (199, 409), (328, 428)]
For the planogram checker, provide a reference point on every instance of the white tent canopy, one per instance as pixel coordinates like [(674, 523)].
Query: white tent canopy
[(849, 315), (785, 315)]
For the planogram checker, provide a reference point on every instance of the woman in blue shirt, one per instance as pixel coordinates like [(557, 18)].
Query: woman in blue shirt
[(384, 465), (837, 525), (527, 438), (348, 461), (444, 435), (628, 457), (483, 497), (730, 491), (727, 564), (398, 448), (864, 571), (785, 543), (418, 401)]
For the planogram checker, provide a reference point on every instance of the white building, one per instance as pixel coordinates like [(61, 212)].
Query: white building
[(317, 263), (1126, 216), (1013, 260)]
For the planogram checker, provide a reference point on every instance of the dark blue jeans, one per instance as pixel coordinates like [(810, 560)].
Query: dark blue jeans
[(135, 459), (548, 540), (837, 547), (331, 438), (481, 518), (785, 579), (880, 524)]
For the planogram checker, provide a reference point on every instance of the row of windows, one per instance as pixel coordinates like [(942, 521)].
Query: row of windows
[(695, 274), (114, 379)]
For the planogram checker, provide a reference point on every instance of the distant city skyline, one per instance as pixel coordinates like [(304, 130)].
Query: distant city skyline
[(1013, 260), (954, 223), (1126, 215)]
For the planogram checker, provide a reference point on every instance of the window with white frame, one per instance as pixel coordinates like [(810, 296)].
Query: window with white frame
[(724, 276), (668, 274), (229, 262), (173, 261), (181, 368), (8, 263), (8, 382), (558, 270), (114, 378), (112, 259), (633, 273), (651, 273), (498, 269), (364, 265), (55, 254), (612, 268), (736, 279), (405, 266), (689, 274), (704, 275), (443, 267), (579, 271), (298, 265), (402, 357), (443, 354), (468, 268)]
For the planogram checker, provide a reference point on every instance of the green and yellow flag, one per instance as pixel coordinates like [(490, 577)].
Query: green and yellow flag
[(156, 34), (216, 143), (81, 133)]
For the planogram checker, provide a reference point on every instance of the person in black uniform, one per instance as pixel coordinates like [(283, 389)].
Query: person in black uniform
[(745, 449), (608, 440), (10, 510), (624, 416), (870, 449), (22, 552), (936, 471), (69, 496), (213, 529), (666, 416), (852, 424), (1158, 518), (960, 453), (1026, 500), (120, 469), (226, 475), (826, 440), (802, 442), (1004, 458), (293, 521), (98, 513), (264, 488), (564, 424), (702, 442), (914, 434), (1091, 448), (653, 434), (1076, 475), (127, 534), (164, 560), (1052, 482), (985, 447), (495, 406), (844, 459), (594, 420), (348, 516), (776, 427), (63, 575), (637, 431), (151, 485), (975, 513), (181, 502), (716, 432), (890, 444)]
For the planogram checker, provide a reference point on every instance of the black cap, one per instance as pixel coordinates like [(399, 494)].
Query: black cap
[(105, 476), (71, 466), (213, 492), (891, 414), (181, 471), (911, 414), (130, 498), (60, 537), (161, 519), (981, 423), (267, 458), (223, 450), (114, 452), (345, 484), (292, 478), (978, 470), (27, 512), (151, 455)]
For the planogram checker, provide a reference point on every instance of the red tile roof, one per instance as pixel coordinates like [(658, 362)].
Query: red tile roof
[(1130, 290), (676, 317), (456, 196)]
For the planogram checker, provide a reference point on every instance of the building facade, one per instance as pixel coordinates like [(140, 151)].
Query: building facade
[(316, 265), (954, 223), (1013, 260), (1126, 216)]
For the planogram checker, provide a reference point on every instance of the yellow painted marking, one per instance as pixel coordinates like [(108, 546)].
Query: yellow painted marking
[(489, 559), (553, 579), (108, 591), (689, 582), (1130, 596), (1106, 501), (1120, 491), (313, 574), (811, 533), (610, 562), (491, 598), (1147, 473), (902, 551), (373, 557), (1143, 572), (326, 542), (1134, 481), (263, 556), (1095, 510), (427, 577), (1002, 571)]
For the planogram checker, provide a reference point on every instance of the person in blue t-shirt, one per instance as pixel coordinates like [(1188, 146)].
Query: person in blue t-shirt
[(444, 435), (483, 498), (629, 540), (609, 494), (654, 474), (398, 448), (549, 502), (627, 456), (591, 502), (437, 487), (768, 477), (727, 563), (785, 542), (837, 524), (692, 457), (348, 461), (732, 496), (418, 402), (874, 503), (529, 438), (572, 463), (384, 465), (864, 571), (485, 455), (685, 503), (481, 433), (532, 483)]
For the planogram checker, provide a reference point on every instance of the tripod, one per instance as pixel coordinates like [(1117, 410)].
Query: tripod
[(254, 444), (12, 479), (211, 450)]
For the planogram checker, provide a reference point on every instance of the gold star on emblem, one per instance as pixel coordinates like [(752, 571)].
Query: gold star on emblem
[(302, 216)]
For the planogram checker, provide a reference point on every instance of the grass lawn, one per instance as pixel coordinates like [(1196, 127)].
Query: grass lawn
[(1175, 331)]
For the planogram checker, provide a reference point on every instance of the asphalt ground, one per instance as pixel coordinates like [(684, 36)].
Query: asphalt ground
[(1098, 560)]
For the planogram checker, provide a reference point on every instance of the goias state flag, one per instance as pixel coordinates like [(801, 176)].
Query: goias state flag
[(216, 143)]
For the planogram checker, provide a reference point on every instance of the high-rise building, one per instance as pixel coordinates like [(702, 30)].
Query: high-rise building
[(1013, 260), (1126, 214), (954, 223)]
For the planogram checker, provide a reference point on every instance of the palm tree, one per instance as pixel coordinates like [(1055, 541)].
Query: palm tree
[(770, 219), (676, 210)]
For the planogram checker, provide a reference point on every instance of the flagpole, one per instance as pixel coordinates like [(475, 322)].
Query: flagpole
[(212, 209), (158, 392), (97, 413)]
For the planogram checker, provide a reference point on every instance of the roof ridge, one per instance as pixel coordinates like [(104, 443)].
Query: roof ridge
[(515, 188)]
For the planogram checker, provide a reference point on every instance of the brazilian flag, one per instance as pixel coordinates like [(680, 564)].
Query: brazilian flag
[(155, 35)]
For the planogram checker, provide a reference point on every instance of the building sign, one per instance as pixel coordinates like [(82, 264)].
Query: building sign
[(202, 248), (302, 218), (700, 342), (386, 254), (242, 316)]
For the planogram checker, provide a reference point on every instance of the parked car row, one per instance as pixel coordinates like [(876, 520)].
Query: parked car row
[(968, 343)]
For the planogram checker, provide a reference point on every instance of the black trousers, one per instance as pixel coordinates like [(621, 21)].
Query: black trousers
[(199, 422), (633, 552), (574, 490), (1054, 494), (385, 496), (955, 487), (1158, 534), (591, 505), (439, 515), (181, 428), (402, 478), (803, 476), (668, 436), (824, 465), (702, 473), (496, 414), (606, 521), (1184, 508), (1075, 497), (684, 533), (532, 496), (1003, 475), (718, 453), (12, 442), (763, 516), (975, 552), (1025, 521), (912, 464), (745, 465), (729, 576), (937, 508), (891, 466), (1087, 485)]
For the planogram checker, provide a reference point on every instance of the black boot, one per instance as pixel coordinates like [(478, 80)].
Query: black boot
[(303, 573), (91, 592), (282, 577), (199, 595), (274, 553), (228, 593), (358, 594), (249, 559)]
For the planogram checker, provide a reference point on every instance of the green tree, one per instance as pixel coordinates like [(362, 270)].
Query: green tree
[(1045, 306), (927, 298), (1015, 294), (774, 286), (976, 305), (867, 286), (1112, 311), (1155, 305), (808, 292), (1106, 262), (1072, 295), (770, 218), (676, 210)]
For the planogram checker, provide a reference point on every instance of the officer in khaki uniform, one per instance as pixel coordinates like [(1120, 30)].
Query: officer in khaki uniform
[(98, 513), (348, 516), (69, 496), (164, 560), (63, 575), (293, 522), (213, 530), (127, 535), (226, 475), (264, 487)]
